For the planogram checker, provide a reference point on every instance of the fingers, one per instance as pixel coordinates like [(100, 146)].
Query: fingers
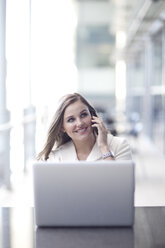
[(102, 131), (96, 118), (97, 122)]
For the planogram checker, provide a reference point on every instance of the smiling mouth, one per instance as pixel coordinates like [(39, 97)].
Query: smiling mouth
[(81, 130)]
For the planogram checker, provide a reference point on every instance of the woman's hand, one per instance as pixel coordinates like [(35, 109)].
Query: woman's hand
[(101, 137)]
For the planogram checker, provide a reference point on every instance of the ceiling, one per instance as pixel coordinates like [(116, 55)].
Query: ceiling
[(101, 22)]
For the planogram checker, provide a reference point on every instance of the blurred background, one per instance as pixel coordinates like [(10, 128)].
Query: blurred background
[(110, 51)]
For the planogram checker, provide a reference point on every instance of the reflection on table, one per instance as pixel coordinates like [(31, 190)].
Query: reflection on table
[(84, 237), (18, 229)]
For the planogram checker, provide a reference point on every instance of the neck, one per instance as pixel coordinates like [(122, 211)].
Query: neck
[(84, 148)]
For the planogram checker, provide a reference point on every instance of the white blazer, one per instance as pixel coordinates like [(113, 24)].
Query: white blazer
[(67, 152)]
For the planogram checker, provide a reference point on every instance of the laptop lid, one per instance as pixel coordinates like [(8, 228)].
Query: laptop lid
[(99, 193)]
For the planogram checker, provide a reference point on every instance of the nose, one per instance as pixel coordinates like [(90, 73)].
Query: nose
[(79, 122)]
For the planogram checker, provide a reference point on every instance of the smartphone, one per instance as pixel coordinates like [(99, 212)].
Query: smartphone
[(95, 130)]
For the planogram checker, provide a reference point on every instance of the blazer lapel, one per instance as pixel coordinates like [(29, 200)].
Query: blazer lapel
[(68, 153), (95, 154)]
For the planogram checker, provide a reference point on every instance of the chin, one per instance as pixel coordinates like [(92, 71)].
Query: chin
[(85, 137)]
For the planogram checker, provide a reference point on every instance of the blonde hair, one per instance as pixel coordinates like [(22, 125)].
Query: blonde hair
[(55, 134)]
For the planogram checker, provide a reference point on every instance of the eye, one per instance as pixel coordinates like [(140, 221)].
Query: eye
[(84, 115), (70, 119)]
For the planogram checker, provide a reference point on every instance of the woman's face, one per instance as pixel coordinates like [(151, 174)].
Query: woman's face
[(77, 122)]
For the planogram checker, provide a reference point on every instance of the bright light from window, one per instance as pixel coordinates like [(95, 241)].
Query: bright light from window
[(120, 39), (53, 70), (40, 66)]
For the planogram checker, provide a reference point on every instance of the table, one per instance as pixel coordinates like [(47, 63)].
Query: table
[(17, 230)]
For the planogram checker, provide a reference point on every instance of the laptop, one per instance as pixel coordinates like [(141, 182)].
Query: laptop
[(81, 193)]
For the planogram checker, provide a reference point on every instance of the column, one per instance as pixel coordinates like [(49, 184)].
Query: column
[(29, 113), (163, 84), (4, 113), (147, 95)]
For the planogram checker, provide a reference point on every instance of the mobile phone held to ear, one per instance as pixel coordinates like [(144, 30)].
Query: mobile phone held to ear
[(95, 130)]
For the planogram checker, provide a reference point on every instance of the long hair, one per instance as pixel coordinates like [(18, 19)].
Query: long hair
[(56, 137)]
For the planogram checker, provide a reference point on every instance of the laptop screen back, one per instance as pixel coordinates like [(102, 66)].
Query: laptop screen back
[(84, 193)]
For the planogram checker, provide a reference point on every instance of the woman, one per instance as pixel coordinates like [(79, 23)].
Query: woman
[(77, 133)]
